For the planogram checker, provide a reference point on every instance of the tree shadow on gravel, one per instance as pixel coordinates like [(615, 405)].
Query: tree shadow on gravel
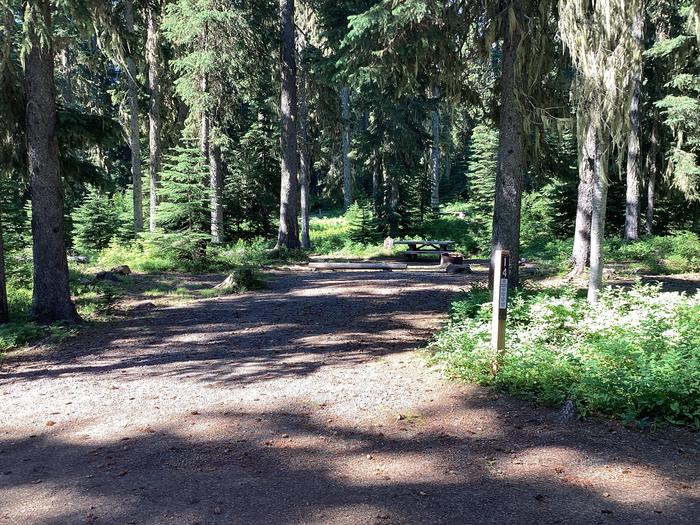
[(466, 456), (289, 467), (254, 336)]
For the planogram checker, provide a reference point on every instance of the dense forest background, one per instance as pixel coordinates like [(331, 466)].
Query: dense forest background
[(164, 121)]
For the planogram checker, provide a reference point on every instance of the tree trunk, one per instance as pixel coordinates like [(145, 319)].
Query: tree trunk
[(586, 166), (4, 308), (377, 186), (393, 195), (204, 124), (448, 152), (216, 180), (510, 163), (51, 300), (288, 236), (304, 160), (435, 155), (347, 175), (67, 91), (154, 65), (663, 30), (652, 166), (633, 143), (598, 205), (133, 126)]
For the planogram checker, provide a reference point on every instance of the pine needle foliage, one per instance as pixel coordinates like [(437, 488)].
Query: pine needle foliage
[(481, 169), (184, 208), (679, 106), (95, 222), (364, 226)]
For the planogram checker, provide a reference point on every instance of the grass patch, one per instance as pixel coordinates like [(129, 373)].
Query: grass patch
[(670, 254), (330, 236), (147, 255), (636, 356), (94, 301)]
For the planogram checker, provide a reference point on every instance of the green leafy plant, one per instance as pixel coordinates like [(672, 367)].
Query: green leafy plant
[(635, 356)]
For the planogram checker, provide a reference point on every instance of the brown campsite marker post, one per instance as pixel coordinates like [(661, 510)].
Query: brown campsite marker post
[(500, 305)]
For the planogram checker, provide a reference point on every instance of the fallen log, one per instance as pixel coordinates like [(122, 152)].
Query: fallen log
[(357, 266)]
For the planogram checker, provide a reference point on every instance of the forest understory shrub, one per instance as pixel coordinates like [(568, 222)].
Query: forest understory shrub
[(150, 254), (636, 356), (93, 299)]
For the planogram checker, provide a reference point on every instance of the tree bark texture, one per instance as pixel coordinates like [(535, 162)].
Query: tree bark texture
[(153, 58), (435, 154), (216, 181), (66, 72), (204, 124), (652, 168), (51, 299), (304, 157), (663, 31), (599, 202), (133, 126), (588, 150), (510, 163), (393, 194), (377, 186), (288, 236), (4, 308), (633, 144), (448, 152), (347, 174)]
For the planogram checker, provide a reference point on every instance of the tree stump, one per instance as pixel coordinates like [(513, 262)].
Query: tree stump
[(229, 282), (451, 258)]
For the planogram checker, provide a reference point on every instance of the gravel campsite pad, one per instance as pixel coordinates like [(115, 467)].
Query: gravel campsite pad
[(308, 403)]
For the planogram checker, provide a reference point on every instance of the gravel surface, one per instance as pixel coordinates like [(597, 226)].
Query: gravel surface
[(307, 403)]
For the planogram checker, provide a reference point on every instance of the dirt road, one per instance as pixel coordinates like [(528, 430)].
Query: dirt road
[(306, 403)]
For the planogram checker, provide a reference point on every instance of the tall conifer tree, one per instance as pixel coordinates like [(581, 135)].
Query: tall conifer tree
[(288, 235), (154, 61), (133, 118), (51, 299), (599, 38)]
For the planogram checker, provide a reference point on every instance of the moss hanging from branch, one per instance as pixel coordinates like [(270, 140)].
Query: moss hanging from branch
[(598, 38)]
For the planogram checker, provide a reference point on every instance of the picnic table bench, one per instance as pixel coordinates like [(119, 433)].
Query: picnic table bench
[(426, 247)]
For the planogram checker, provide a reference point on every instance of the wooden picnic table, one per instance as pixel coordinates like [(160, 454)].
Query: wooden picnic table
[(426, 247)]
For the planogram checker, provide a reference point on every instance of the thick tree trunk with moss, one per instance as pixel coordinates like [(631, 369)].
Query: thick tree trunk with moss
[(288, 236), (633, 144), (510, 163), (133, 125), (153, 59), (598, 207), (51, 300), (586, 166), (304, 157), (435, 154), (4, 308), (347, 174)]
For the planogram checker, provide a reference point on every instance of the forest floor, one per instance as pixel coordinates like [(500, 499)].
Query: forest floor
[(308, 402)]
